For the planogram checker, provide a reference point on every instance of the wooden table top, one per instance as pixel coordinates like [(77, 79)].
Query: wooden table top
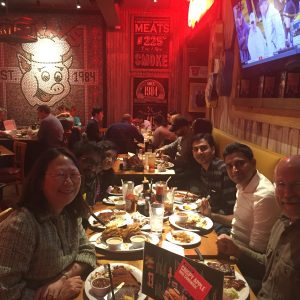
[(207, 248), (6, 152)]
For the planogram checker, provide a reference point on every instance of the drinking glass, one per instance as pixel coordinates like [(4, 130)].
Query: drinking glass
[(169, 203), (151, 162), (161, 189), (128, 195), (156, 212)]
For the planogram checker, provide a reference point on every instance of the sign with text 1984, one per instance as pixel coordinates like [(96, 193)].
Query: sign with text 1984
[(151, 39)]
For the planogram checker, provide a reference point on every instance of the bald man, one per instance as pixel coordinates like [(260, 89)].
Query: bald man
[(281, 263)]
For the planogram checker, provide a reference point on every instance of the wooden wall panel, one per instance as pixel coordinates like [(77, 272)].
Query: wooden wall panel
[(282, 139)]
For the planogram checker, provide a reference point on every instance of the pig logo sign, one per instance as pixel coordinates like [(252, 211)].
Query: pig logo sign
[(45, 72)]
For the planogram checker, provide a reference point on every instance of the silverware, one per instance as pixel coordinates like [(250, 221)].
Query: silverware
[(116, 289), (97, 219), (111, 282), (199, 254)]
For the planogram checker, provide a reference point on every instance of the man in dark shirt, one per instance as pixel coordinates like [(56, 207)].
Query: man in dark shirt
[(93, 126), (179, 151), (124, 135), (209, 178), (51, 131)]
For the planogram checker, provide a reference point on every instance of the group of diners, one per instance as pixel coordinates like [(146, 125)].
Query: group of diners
[(257, 222)]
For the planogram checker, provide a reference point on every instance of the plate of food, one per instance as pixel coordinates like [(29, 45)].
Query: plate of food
[(143, 221), (163, 163), (235, 285), (112, 199), (236, 288), (130, 239), (188, 206), (181, 197), (190, 221), (130, 275), (110, 217), (183, 237), (115, 190)]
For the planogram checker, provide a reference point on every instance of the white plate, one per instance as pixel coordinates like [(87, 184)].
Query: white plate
[(111, 199), (138, 274), (179, 196), (125, 247), (126, 220), (109, 191), (195, 238), (167, 164), (208, 226), (243, 293), (188, 206)]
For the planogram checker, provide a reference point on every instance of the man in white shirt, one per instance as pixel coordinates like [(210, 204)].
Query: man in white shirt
[(256, 41), (273, 27), (256, 209)]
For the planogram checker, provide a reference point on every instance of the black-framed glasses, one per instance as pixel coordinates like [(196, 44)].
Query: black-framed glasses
[(61, 176)]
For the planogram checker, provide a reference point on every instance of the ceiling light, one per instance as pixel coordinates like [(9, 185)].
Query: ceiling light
[(3, 3), (78, 6)]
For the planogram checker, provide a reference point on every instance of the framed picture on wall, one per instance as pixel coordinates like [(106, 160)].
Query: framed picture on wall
[(197, 97)]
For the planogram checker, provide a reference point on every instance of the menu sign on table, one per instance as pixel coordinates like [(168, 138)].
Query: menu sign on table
[(167, 275), (151, 39)]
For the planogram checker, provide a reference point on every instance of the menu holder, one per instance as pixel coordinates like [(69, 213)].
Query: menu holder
[(166, 274)]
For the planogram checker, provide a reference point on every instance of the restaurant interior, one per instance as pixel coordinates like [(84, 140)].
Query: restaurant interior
[(148, 58)]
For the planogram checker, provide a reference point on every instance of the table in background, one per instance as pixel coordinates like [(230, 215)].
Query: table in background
[(138, 176)]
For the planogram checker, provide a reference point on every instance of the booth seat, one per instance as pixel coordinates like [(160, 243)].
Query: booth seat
[(266, 160)]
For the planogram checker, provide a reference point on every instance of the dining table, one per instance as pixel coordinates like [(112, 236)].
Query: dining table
[(136, 176), (207, 247)]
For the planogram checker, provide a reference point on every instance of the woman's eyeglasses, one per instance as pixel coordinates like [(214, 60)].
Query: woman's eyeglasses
[(60, 176)]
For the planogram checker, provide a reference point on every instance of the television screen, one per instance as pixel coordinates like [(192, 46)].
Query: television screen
[(267, 30)]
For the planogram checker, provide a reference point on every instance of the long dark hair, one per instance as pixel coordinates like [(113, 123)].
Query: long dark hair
[(33, 197)]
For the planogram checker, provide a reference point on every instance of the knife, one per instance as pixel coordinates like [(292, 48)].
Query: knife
[(199, 254), (116, 289)]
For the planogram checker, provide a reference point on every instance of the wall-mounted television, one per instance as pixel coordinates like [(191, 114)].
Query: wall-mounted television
[(268, 33)]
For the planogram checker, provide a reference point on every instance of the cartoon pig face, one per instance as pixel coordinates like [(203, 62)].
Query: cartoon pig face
[(44, 83)]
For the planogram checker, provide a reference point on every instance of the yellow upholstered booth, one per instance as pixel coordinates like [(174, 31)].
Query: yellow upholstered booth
[(266, 160)]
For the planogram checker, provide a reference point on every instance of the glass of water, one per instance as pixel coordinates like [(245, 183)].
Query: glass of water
[(156, 213)]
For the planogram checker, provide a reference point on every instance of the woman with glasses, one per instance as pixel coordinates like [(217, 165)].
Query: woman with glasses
[(44, 250)]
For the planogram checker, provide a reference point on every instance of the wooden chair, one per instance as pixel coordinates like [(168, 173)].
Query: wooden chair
[(15, 174), (5, 213)]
